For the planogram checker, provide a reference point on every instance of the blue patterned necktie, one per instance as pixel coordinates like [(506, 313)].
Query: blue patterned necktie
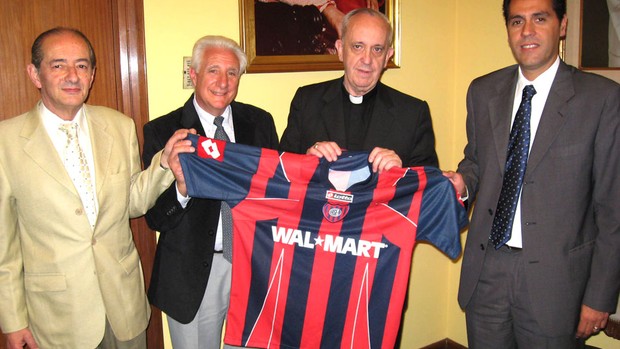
[(516, 162), (227, 225)]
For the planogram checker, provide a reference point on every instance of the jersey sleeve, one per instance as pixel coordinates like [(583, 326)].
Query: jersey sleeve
[(442, 215), (219, 170)]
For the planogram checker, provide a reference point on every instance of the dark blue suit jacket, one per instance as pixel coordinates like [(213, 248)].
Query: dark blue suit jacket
[(185, 247)]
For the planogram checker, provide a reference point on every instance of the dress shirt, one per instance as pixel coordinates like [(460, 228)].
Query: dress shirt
[(206, 120), (542, 84), (52, 123)]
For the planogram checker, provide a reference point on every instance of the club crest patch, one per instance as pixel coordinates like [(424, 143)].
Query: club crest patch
[(335, 212)]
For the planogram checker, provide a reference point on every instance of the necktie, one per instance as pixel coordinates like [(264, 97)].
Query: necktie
[(77, 167), (227, 225), (516, 162)]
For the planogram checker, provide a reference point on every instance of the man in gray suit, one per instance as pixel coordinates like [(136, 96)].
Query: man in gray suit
[(554, 275)]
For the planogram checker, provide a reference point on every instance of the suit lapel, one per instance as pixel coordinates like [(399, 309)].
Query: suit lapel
[(500, 115), (102, 143), (244, 128), (553, 116), (189, 117), (381, 119), (40, 149), (332, 113)]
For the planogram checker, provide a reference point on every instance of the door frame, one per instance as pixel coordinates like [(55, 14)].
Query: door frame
[(132, 100), (127, 25)]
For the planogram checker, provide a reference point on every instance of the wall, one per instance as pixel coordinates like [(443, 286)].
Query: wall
[(445, 44)]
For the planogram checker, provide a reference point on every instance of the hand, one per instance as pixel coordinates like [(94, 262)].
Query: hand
[(458, 182), (590, 321), (329, 150), (384, 159), (18, 339), (170, 158), (334, 17)]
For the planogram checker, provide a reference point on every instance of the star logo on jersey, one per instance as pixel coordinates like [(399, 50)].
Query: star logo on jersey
[(318, 241), (334, 212), (211, 148)]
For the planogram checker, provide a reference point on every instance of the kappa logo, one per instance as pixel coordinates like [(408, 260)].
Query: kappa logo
[(211, 148), (328, 243)]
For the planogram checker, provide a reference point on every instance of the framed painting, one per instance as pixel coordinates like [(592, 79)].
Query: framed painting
[(281, 36), (593, 38)]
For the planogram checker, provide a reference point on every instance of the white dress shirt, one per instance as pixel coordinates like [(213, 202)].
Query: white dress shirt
[(542, 84), (52, 123), (206, 120)]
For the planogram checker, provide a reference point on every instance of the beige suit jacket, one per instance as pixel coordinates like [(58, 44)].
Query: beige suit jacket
[(57, 276)]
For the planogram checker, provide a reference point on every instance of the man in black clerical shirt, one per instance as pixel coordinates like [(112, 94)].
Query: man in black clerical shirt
[(357, 111)]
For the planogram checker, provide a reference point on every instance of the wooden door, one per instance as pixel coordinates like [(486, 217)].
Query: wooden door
[(116, 30)]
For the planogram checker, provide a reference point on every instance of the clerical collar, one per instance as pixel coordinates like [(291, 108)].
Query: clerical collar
[(361, 99), (356, 99)]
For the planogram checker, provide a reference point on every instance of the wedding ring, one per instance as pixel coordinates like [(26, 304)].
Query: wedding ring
[(315, 146), (596, 328)]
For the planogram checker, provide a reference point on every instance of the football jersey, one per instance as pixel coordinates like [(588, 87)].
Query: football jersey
[(321, 251)]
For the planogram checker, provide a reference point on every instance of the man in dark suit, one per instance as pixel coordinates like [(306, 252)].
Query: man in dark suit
[(357, 112), (554, 275), (191, 278)]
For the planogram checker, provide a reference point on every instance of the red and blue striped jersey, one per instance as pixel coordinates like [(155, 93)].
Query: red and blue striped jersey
[(322, 251)]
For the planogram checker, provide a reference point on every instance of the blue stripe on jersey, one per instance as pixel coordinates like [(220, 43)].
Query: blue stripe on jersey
[(294, 317), (261, 256), (341, 283), (405, 190), (380, 300)]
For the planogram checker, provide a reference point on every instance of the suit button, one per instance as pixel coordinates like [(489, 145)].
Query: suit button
[(205, 264), (79, 212), (211, 232), (490, 212), (93, 241), (482, 247)]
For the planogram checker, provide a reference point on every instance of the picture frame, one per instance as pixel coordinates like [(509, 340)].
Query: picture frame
[(573, 51), (312, 50)]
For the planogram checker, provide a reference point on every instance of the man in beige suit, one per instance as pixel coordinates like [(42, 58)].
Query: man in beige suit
[(70, 276)]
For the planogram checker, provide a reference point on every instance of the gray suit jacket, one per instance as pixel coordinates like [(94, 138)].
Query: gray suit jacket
[(570, 217)]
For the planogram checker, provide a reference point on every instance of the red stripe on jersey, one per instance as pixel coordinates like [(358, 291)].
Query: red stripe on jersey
[(270, 323), (356, 332), (399, 289), (318, 293), (244, 225)]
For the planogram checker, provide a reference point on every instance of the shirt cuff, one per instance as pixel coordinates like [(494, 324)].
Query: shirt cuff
[(183, 200)]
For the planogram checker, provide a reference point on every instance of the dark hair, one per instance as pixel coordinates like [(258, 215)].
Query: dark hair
[(37, 46), (559, 6)]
